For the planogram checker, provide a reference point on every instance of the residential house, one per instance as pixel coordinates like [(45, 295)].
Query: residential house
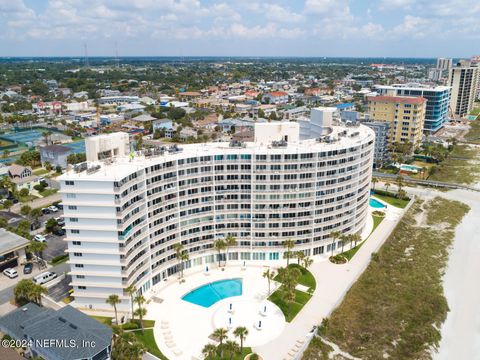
[(187, 133), (22, 176), (275, 97), (83, 337)]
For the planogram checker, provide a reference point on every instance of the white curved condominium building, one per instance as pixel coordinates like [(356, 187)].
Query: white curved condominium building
[(124, 215)]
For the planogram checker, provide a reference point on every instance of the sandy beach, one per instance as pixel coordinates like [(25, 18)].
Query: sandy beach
[(461, 330)]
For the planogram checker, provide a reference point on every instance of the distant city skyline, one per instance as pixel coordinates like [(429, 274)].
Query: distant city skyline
[(304, 28)]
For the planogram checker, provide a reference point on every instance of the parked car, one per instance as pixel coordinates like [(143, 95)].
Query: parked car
[(59, 206), (11, 273), (60, 221), (46, 211), (57, 230), (44, 277), (35, 225), (40, 238), (53, 208), (27, 268)]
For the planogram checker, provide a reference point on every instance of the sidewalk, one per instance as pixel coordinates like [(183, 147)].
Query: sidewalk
[(333, 281)]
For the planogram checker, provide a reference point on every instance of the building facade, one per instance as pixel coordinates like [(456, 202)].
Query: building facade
[(438, 101), (381, 129), (464, 80), (405, 114), (124, 216)]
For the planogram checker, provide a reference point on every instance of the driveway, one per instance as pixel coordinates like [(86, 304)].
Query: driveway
[(60, 291), (55, 247)]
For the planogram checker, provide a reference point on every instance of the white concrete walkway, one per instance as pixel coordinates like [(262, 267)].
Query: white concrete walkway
[(333, 281)]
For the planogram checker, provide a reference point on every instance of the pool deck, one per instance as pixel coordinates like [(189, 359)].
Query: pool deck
[(182, 329)]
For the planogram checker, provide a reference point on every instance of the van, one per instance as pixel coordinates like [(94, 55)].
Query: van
[(44, 277)]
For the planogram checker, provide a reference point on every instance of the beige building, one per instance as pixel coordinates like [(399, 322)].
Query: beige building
[(463, 79), (405, 114)]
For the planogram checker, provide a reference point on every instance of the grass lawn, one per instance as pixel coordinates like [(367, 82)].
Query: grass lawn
[(245, 352), (48, 192), (399, 203), (460, 167), (301, 298), (351, 252), (147, 338), (39, 172), (27, 198), (397, 306), (306, 278)]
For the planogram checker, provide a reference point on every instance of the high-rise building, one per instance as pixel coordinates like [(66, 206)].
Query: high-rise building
[(381, 129), (405, 114), (124, 215), (438, 100), (463, 78), (444, 64), (435, 74)]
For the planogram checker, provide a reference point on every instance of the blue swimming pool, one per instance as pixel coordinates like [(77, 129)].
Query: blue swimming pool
[(209, 294), (376, 204)]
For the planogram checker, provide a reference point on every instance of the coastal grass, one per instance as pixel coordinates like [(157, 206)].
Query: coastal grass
[(148, 340), (397, 306), (460, 167)]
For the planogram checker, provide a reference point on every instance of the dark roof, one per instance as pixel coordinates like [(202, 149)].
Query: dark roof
[(71, 324), (56, 148), (10, 241), (13, 321), (9, 354)]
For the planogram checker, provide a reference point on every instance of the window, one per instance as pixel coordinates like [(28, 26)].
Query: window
[(71, 196), (80, 276), (73, 219), (69, 182), (77, 254), (77, 243), (82, 288), (75, 231), (72, 207), (79, 265)]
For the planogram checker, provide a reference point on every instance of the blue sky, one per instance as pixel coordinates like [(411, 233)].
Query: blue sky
[(394, 28)]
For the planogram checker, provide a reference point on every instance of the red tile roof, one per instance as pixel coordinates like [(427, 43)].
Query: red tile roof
[(398, 99), (278, 93)]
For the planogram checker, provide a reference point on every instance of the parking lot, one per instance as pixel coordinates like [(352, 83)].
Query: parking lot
[(60, 291), (55, 247)]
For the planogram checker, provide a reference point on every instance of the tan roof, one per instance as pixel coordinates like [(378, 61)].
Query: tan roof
[(16, 170)]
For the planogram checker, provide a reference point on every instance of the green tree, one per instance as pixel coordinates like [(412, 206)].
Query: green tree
[(230, 241), (25, 210), (182, 256), (209, 351), (37, 248), (7, 204), (241, 332), (126, 345), (23, 192), (334, 235), (114, 300), (131, 290), (374, 181), (399, 181), (141, 311), (231, 348), (27, 291), (36, 213), (50, 225), (307, 262), (289, 245), (220, 334), (299, 255), (219, 245), (269, 275)]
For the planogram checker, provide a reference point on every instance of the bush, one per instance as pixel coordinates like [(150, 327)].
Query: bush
[(23, 192), (254, 356), (59, 259), (322, 329), (39, 187)]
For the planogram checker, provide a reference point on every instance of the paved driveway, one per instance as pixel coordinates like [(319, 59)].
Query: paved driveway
[(60, 291)]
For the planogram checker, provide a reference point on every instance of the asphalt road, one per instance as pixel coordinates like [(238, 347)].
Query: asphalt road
[(7, 294), (60, 290)]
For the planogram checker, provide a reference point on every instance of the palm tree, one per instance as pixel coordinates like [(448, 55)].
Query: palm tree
[(131, 290), (356, 238), (343, 239), (229, 241), (374, 181), (387, 185), (232, 348), (300, 255), (125, 345), (36, 293), (141, 312), (46, 135), (241, 332), (182, 255), (399, 182), (334, 235), (288, 295), (269, 275), (289, 245), (209, 351), (219, 245), (307, 262), (220, 334), (114, 300)]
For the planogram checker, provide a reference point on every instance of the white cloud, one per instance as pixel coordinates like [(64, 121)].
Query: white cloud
[(395, 4), (277, 13), (327, 7), (414, 26)]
